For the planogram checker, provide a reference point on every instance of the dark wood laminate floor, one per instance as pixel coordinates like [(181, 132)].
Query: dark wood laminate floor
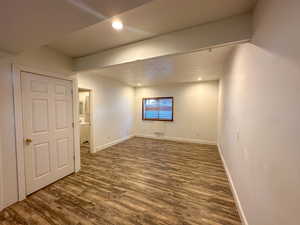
[(140, 181)]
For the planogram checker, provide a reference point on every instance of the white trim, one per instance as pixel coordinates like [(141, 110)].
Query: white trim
[(178, 139), (93, 122), (17, 96), (18, 114), (105, 146), (76, 125), (233, 189), (92, 119)]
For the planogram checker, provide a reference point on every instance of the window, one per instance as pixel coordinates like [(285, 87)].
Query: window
[(160, 109)]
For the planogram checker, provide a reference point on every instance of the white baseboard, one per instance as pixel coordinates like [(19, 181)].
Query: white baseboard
[(188, 140), (179, 139), (233, 189), (104, 146)]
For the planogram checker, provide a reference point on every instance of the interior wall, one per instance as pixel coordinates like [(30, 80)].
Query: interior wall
[(195, 112), (113, 106), (46, 58), (1, 169), (43, 58), (259, 134), (9, 172)]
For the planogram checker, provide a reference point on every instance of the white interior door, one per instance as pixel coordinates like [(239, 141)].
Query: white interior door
[(48, 129)]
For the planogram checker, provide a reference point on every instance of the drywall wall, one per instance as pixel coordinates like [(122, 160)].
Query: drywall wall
[(45, 59), (7, 134), (260, 110), (195, 112), (1, 174), (113, 105)]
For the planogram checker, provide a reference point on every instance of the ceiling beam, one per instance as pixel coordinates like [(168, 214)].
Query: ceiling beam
[(230, 30)]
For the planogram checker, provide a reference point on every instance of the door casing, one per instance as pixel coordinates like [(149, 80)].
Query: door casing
[(17, 94)]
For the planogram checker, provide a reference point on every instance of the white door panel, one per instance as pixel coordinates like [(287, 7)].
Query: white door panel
[(40, 124), (41, 159), (62, 146), (47, 123)]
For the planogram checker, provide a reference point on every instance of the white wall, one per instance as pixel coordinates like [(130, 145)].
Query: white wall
[(113, 108), (260, 132), (43, 58), (195, 112), (47, 59)]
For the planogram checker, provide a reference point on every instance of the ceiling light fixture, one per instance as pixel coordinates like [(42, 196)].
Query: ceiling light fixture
[(117, 25), (200, 78), (138, 84)]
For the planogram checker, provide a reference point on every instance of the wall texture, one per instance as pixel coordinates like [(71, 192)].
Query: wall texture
[(113, 108), (43, 58), (47, 59), (1, 176), (260, 116), (7, 134), (195, 112)]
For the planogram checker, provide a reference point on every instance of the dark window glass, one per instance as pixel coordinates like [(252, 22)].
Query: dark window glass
[(158, 109)]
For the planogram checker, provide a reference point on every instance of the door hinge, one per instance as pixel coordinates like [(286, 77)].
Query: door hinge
[(73, 124)]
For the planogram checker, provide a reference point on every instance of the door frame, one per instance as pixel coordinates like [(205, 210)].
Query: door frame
[(18, 111), (92, 118)]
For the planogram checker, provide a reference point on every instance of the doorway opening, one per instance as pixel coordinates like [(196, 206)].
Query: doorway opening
[(85, 120)]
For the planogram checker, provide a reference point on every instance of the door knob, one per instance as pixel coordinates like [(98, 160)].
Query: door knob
[(28, 140)]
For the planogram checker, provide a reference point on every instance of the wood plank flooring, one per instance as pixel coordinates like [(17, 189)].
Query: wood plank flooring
[(140, 181)]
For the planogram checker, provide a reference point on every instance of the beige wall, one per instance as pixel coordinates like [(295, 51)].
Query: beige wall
[(113, 108), (1, 177), (7, 135), (195, 112), (260, 117), (45, 59)]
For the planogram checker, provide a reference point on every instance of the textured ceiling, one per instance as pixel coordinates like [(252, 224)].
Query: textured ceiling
[(152, 19), (27, 24), (170, 69)]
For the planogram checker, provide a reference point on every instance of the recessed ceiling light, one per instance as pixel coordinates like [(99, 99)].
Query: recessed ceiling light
[(138, 84), (200, 78), (117, 25)]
